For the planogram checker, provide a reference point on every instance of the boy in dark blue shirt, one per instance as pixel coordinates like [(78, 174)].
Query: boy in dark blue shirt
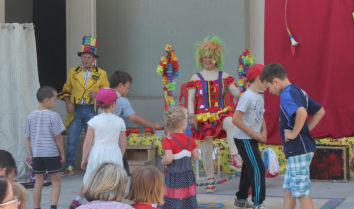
[(299, 146)]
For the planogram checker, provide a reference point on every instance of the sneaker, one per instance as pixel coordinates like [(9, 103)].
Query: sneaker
[(210, 188), (236, 162), (261, 206), (243, 203), (74, 204), (69, 170)]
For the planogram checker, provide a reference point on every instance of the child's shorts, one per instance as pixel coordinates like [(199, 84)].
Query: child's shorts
[(50, 164), (297, 175)]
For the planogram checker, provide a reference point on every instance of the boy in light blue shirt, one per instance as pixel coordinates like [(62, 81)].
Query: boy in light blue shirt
[(120, 81)]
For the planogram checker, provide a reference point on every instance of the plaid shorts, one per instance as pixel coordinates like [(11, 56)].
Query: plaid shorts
[(297, 175)]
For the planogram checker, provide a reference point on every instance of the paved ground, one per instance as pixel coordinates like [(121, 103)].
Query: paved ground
[(328, 193)]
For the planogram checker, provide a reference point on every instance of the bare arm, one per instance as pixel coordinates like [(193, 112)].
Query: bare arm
[(301, 115), (29, 147), (315, 119), (69, 106), (191, 98), (122, 142), (142, 121), (60, 145), (66, 93), (237, 120), (264, 130), (195, 154), (87, 147), (191, 103), (234, 90), (167, 158)]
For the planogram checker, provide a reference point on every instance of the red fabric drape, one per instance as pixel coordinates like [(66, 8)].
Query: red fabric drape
[(323, 64)]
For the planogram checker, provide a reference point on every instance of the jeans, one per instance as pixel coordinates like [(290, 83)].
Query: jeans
[(83, 113)]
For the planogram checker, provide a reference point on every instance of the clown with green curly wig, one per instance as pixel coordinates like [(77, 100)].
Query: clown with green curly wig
[(208, 115), (212, 47)]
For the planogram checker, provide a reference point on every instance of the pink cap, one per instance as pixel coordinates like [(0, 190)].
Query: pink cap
[(105, 97), (254, 71)]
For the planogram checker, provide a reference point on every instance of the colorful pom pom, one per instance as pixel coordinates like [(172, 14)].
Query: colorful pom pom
[(169, 69), (245, 62)]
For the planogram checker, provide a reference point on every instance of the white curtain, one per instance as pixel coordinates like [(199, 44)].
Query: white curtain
[(19, 83)]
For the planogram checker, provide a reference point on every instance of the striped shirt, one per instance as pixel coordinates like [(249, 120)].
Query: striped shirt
[(42, 126)]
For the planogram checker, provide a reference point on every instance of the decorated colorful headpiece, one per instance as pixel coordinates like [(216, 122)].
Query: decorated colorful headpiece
[(89, 45), (245, 62), (168, 68), (213, 47)]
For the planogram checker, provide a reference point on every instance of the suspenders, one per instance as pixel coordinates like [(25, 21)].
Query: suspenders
[(181, 144), (206, 92)]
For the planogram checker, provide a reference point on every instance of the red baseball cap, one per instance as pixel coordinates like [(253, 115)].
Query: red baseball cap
[(105, 97), (254, 71)]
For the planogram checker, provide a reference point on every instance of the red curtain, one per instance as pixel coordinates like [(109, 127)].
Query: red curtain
[(323, 64)]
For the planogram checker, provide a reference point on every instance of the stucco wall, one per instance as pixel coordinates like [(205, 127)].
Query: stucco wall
[(132, 36)]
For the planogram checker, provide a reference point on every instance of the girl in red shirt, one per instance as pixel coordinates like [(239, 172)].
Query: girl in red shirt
[(180, 150)]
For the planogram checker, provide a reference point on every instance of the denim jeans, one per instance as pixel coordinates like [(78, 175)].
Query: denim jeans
[(83, 113)]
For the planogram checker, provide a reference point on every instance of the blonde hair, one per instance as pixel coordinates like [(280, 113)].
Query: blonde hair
[(146, 185), (21, 193), (107, 182), (174, 117)]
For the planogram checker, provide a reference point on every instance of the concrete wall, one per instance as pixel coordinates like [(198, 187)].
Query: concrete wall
[(132, 36), (19, 11), (78, 25), (2, 11), (256, 16)]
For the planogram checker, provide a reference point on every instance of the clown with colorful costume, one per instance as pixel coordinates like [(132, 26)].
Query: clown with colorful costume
[(79, 93), (209, 117)]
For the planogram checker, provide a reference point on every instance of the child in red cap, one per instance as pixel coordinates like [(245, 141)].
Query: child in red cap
[(105, 139), (251, 129)]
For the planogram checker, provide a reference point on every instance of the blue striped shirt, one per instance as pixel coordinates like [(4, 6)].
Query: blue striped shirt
[(42, 126)]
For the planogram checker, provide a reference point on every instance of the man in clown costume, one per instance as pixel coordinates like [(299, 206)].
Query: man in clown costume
[(79, 93)]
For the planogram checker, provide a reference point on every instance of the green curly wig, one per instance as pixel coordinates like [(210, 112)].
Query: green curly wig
[(213, 47)]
